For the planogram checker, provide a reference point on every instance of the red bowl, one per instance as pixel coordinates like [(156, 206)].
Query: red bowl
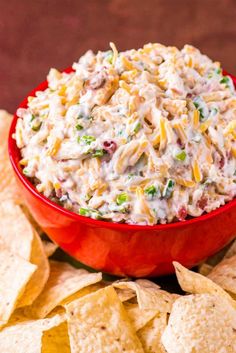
[(121, 249)]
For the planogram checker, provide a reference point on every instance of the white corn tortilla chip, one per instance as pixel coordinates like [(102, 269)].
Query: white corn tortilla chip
[(98, 323), (201, 323), (23, 335), (139, 317), (150, 334), (195, 283), (149, 295), (15, 273), (41, 275), (224, 274), (64, 280), (16, 232), (8, 186), (49, 247)]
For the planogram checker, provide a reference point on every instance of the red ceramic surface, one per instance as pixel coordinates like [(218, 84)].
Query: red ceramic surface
[(122, 249)]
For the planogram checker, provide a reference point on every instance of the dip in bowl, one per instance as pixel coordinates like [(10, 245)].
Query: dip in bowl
[(112, 150)]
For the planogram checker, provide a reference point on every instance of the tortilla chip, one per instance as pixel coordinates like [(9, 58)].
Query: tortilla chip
[(150, 334), (56, 339), (201, 323), (195, 283), (49, 247), (149, 295), (204, 269), (31, 219), (64, 280), (224, 274), (82, 292), (125, 294), (15, 272), (38, 280), (16, 233), (26, 336), (231, 251), (8, 186), (98, 323), (139, 317)]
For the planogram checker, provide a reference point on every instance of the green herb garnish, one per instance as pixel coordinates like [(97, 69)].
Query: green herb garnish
[(121, 198), (225, 80), (181, 156), (86, 139), (36, 126), (99, 153), (84, 212), (137, 127), (168, 189), (25, 171), (79, 127), (151, 191)]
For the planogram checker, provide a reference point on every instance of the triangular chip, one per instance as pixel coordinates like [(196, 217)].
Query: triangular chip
[(98, 323), (16, 232), (49, 247), (15, 273), (8, 186), (204, 269), (64, 280), (23, 335), (149, 295), (40, 277), (150, 334), (139, 317), (201, 323), (224, 274), (195, 283), (231, 251)]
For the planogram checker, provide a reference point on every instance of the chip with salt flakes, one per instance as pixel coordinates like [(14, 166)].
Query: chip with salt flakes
[(224, 274), (64, 280), (150, 334), (16, 232), (15, 273), (195, 283), (149, 295), (98, 323), (24, 335), (201, 323), (37, 282), (8, 186), (139, 317)]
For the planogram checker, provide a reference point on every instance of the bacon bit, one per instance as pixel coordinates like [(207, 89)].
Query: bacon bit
[(180, 143), (58, 193), (221, 162), (202, 202), (182, 213), (109, 146)]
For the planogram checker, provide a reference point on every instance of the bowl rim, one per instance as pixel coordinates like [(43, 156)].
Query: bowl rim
[(13, 151)]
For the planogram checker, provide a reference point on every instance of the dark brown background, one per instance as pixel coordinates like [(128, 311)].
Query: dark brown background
[(38, 34)]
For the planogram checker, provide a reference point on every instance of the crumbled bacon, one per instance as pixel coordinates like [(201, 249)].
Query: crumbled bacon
[(202, 202), (182, 213), (109, 146)]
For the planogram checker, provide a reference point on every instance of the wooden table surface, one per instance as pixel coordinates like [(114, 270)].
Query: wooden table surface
[(39, 34)]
